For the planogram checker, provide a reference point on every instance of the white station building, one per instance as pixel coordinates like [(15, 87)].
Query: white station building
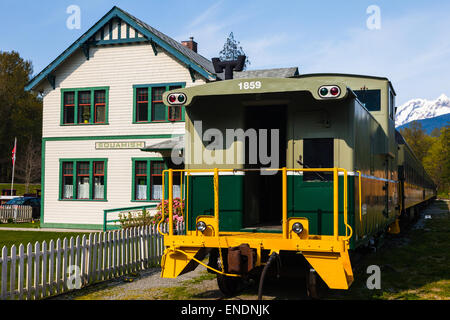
[(106, 132)]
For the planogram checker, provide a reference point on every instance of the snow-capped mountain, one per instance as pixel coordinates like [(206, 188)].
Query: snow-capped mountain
[(419, 109)]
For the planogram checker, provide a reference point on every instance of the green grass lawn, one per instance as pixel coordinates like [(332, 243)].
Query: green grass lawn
[(27, 225), (20, 188), (414, 266), (9, 238)]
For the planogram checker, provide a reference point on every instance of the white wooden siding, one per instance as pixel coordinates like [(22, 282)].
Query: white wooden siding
[(119, 67), (118, 184)]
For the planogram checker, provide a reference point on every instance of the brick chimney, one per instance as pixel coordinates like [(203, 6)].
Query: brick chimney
[(191, 44)]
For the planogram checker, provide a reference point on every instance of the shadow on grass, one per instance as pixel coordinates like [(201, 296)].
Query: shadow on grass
[(414, 264)]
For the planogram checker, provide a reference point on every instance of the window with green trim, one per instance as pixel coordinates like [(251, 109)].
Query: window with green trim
[(83, 179), (84, 106), (149, 106), (147, 179)]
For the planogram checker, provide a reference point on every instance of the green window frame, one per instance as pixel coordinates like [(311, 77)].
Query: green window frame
[(148, 106), (148, 175), (84, 106), (141, 172), (72, 171)]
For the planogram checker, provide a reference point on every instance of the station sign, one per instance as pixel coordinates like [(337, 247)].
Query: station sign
[(119, 145)]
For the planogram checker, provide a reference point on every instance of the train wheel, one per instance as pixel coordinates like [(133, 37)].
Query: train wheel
[(312, 283), (229, 286)]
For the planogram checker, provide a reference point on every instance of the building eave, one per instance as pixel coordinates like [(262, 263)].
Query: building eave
[(116, 13)]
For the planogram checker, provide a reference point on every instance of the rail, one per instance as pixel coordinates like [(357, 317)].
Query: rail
[(114, 224), (216, 172), (360, 197)]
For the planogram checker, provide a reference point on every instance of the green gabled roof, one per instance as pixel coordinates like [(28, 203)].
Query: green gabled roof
[(191, 59)]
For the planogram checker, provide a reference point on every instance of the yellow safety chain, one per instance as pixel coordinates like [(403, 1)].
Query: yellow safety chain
[(206, 266)]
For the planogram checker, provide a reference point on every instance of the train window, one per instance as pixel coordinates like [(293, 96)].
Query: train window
[(371, 99), (391, 105), (318, 153)]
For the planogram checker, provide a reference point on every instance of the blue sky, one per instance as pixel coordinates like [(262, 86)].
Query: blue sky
[(412, 47)]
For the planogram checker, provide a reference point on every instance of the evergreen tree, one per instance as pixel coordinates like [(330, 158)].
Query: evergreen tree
[(232, 50), (433, 151), (417, 139), (437, 161), (21, 115)]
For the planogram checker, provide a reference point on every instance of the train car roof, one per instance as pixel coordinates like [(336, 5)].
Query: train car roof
[(260, 86), (346, 75)]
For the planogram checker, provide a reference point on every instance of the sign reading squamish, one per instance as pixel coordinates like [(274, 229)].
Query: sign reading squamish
[(119, 145)]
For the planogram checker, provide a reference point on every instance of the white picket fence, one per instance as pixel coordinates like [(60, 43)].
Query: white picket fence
[(16, 214), (48, 269)]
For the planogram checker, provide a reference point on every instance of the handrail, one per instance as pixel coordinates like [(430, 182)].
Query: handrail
[(359, 196), (336, 203), (163, 207), (347, 226), (171, 202), (107, 211), (285, 209), (216, 172)]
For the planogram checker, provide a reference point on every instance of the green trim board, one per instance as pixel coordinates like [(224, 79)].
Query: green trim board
[(42, 179), (98, 227), (115, 13), (124, 137), (150, 103), (118, 41), (91, 178), (92, 106)]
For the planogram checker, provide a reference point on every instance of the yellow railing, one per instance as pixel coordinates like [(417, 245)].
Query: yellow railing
[(216, 172)]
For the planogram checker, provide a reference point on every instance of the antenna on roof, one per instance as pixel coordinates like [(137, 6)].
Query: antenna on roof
[(229, 66)]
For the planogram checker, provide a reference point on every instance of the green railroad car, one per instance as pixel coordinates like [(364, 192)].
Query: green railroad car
[(304, 165), (416, 186)]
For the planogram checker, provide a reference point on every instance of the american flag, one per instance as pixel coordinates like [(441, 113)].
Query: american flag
[(14, 153)]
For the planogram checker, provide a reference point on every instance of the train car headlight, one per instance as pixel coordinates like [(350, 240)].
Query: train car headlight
[(329, 91), (201, 226), (297, 228), (176, 99), (172, 98), (334, 91)]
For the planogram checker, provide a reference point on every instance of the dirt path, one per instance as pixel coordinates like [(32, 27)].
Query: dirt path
[(147, 286)]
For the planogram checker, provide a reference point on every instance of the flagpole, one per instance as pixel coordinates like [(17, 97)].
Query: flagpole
[(14, 164)]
